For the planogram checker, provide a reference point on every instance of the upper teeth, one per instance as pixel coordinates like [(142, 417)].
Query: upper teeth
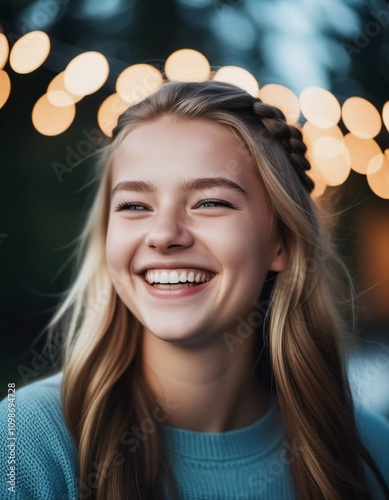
[(177, 276)]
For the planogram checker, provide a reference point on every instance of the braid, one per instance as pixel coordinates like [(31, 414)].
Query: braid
[(289, 136)]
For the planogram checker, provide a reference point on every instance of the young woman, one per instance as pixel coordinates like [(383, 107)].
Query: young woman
[(203, 351)]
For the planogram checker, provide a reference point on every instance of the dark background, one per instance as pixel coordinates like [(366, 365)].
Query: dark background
[(331, 44)]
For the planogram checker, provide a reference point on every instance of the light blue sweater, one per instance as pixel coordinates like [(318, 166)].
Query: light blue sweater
[(251, 463)]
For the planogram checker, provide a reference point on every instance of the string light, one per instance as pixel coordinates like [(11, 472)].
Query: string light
[(332, 159), (239, 77), (320, 107), (187, 65), (137, 82), (317, 177), (110, 110), (29, 52), (331, 155), (86, 73), (52, 120), (4, 50), (311, 133), (361, 117), (385, 115), (327, 152), (375, 163), (361, 152), (5, 87), (283, 98), (57, 93), (378, 180)]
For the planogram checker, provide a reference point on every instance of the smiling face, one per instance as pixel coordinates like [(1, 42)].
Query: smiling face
[(180, 214)]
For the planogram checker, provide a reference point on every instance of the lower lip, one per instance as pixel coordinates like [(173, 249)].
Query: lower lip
[(170, 294)]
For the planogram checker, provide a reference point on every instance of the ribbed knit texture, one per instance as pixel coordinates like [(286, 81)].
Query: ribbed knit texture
[(244, 464)]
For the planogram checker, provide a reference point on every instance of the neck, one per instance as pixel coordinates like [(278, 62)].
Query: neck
[(206, 389)]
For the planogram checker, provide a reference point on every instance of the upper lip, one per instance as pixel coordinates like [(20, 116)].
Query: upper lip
[(174, 265)]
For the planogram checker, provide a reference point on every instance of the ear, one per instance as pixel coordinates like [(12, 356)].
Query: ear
[(280, 256)]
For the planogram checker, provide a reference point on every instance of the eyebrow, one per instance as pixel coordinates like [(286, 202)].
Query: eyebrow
[(195, 184)]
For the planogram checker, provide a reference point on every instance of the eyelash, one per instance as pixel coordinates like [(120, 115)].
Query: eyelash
[(216, 201), (126, 205)]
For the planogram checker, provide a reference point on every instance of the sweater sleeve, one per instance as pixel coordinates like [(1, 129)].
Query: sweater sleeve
[(374, 432), (38, 455)]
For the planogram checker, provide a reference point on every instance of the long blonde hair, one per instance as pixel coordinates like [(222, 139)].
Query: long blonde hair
[(103, 392)]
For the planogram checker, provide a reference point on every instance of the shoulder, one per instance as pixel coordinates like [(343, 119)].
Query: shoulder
[(37, 448), (373, 429), (45, 388), (36, 406)]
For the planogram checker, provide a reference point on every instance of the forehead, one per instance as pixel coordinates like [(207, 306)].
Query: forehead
[(170, 147)]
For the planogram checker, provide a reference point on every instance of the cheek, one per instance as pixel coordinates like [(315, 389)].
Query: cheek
[(112, 245), (244, 244), (117, 256), (118, 250)]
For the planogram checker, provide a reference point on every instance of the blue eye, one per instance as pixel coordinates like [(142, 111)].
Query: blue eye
[(137, 207), (215, 203), (126, 205)]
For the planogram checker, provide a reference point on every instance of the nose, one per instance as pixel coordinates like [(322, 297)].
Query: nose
[(169, 229)]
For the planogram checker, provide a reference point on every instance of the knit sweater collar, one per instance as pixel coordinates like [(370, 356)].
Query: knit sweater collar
[(254, 439)]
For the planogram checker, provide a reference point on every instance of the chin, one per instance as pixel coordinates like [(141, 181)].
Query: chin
[(174, 332)]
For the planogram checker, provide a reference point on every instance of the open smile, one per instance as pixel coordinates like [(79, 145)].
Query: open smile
[(170, 279), (175, 283)]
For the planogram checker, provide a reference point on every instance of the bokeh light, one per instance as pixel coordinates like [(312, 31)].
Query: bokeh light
[(52, 120), (331, 155), (385, 115), (110, 110), (137, 82), (5, 87), (361, 152), (57, 93), (361, 117), (317, 177), (29, 52), (239, 77), (86, 73), (282, 97), (4, 50), (311, 133), (375, 163), (320, 107), (378, 180), (187, 65), (332, 159), (328, 154)]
